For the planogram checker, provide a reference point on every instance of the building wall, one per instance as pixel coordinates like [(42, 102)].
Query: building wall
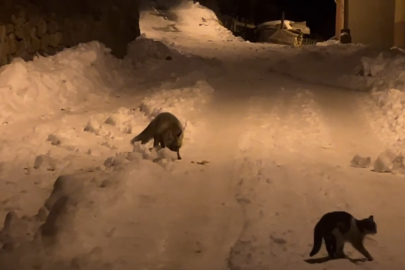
[(339, 17), (372, 22), (399, 37)]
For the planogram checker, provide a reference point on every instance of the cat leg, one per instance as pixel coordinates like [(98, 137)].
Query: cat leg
[(359, 246), (330, 244), (340, 251), (340, 242), (339, 246)]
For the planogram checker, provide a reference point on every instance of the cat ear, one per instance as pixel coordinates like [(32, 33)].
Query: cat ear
[(371, 217), (179, 134)]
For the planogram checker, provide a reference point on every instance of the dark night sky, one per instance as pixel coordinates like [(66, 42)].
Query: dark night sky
[(319, 14)]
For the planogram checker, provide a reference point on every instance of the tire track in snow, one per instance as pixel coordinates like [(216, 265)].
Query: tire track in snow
[(282, 192), (269, 186), (361, 191), (346, 123), (288, 120), (218, 131)]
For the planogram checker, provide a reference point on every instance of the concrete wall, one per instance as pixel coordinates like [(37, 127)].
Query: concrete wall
[(339, 18), (372, 22), (48, 26), (399, 31)]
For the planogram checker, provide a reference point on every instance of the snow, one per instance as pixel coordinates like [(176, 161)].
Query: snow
[(287, 24), (270, 139), (57, 82), (278, 22)]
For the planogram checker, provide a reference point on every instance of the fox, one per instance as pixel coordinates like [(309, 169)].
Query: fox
[(165, 130), (339, 227)]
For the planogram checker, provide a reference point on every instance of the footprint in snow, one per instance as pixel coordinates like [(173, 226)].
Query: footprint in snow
[(279, 241)]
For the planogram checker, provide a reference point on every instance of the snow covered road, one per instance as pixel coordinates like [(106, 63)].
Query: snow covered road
[(293, 166), (265, 155)]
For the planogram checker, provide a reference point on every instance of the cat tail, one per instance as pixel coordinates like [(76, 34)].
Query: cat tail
[(317, 239)]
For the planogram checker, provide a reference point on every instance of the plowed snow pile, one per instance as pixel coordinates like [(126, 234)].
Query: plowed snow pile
[(70, 117), (67, 81), (359, 68), (189, 21), (264, 154)]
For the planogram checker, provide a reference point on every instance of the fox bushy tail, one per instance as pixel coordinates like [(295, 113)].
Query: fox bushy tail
[(317, 239), (145, 135)]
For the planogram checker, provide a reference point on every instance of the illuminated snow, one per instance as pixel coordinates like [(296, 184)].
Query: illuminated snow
[(270, 133)]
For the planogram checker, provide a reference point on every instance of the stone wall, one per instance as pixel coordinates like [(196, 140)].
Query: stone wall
[(30, 27)]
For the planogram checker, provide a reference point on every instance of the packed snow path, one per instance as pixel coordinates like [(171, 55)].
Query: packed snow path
[(292, 143), (278, 152)]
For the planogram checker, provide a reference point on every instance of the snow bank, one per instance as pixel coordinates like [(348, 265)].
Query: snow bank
[(181, 101), (157, 62), (67, 81), (360, 68), (72, 235), (86, 74), (195, 18), (190, 20), (328, 63), (85, 219), (103, 133), (385, 76), (83, 79), (113, 180), (328, 42), (130, 215), (114, 127), (185, 103)]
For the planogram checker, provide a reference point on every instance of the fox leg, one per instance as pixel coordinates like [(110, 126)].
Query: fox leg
[(162, 142), (156, 141)]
